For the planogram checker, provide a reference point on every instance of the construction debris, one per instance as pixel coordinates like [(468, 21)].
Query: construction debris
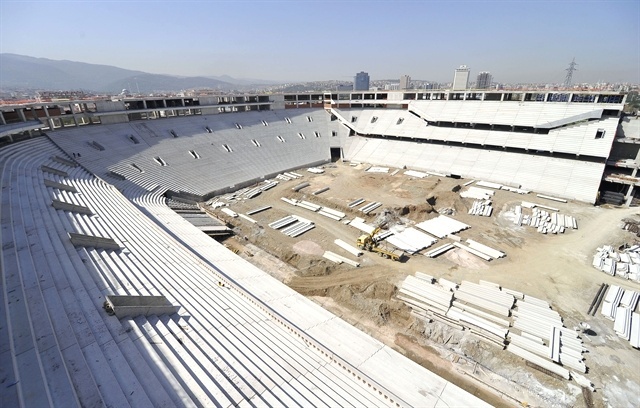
[(632, 226)]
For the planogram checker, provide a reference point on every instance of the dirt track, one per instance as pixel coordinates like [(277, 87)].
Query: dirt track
[(556, 268)]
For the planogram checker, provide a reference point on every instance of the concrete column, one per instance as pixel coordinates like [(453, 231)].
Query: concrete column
[(21, 115), (2, 120), (629, 196)]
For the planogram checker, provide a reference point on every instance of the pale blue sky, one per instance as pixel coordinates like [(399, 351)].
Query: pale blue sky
[(517, 41)]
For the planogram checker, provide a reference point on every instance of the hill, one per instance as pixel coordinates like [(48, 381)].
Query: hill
[(24, 72)]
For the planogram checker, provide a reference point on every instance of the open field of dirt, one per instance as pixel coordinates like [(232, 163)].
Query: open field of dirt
[(556, 268)]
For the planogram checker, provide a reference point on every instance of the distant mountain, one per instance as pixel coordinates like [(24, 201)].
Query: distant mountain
[(245, 81), (19, 71)]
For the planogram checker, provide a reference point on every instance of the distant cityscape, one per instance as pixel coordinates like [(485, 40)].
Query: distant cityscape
[(461, 81)]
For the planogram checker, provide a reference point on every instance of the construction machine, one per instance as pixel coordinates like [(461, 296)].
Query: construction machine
[(369, 243)]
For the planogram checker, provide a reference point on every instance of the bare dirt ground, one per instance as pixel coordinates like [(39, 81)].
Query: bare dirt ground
[(556, 268)]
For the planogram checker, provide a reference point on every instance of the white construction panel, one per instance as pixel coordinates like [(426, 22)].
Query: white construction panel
[(442, 226)]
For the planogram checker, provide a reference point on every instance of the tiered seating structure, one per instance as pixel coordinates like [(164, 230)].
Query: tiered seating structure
[(257, 150), (572, 179), (573, 135), (512, 158), (239, 337)]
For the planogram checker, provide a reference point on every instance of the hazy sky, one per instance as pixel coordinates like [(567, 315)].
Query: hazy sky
[(517, 41)]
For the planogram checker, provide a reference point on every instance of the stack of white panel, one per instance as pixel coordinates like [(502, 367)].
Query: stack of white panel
[(473, 251), (361, 225), (622, 323), (518, 219), (539, 361), (482, 208), (481, 326), (494, 253), (634, 337), (489, 184), (544, 221), (442, 226), (299, 228), (417, 174), (536, 319), (411, 240), (424, 297), (349, 248), (370, 207), (488, 298), (625, 264), (543, 334), (229, 212), (290, 219), (339, 259), (566, 348), (439, 250), (331, 213), (292, 225), (308, 206), (477, 193), (515, 190), (611, 302)]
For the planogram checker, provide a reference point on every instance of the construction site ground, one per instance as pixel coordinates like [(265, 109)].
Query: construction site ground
[(555, 268)]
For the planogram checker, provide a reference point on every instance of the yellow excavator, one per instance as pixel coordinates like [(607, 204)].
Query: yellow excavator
[(369, 243)]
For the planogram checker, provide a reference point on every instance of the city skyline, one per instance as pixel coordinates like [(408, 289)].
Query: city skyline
[(524, 42)]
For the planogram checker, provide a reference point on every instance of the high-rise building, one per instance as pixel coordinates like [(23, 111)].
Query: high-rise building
[(484, 80), (405, 82), (361, 82), (461, 78)]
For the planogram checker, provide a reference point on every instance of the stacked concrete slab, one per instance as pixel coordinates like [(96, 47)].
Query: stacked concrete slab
[(524, 325)]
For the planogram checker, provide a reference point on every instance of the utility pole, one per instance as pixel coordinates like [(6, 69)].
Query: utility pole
[(572, 68)]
